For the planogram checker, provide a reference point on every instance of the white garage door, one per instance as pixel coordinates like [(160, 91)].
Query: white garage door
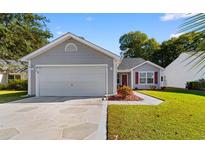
[(72, 81)]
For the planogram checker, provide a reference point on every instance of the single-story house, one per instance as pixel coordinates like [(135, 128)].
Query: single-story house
[(183, 69), (73, 66), (140, 74), (19, 72)]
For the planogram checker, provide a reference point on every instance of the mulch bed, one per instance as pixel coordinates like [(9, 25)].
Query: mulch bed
[(127, 98)]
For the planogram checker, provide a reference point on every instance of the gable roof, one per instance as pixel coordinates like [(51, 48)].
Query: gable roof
[(66, 37), (188, 58), (132, 63), (129, 63), (149, 62)]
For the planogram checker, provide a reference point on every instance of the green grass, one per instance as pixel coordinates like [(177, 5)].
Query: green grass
[(7, 95), (180, 116)]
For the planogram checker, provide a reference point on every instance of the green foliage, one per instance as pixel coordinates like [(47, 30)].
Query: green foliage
[(179, 117), (137, 44), (21, 34), (196, 85), (196, 23), (3, 87), (17, 85), (171, 49), (124, 91), (8, 95), (10, 66)]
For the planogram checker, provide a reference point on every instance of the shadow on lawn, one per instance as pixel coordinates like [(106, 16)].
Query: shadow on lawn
[(4, 98)]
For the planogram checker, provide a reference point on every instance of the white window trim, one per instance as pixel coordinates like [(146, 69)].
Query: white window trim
[(67, 45), (146, 78)]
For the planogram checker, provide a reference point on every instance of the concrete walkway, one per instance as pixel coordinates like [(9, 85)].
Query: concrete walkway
[(147, 100)]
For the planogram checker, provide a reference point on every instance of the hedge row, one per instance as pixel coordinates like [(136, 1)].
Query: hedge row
[(196, 85), (15, 85)]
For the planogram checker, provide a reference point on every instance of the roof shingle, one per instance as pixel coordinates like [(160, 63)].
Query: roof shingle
[(128, 63)]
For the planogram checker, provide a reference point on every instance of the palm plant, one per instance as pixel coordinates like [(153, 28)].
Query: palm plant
[(196, 23)]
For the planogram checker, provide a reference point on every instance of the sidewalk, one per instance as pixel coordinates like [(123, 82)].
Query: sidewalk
[(147, 100)]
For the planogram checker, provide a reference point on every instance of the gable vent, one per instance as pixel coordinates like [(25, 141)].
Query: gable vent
[(71, 47)]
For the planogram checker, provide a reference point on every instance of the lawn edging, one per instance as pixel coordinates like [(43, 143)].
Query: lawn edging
[(151, 95)]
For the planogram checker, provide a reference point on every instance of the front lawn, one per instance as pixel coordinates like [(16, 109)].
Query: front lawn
[(8, 95), (181, 116)]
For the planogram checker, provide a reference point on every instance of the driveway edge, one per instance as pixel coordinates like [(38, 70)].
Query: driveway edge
[(101, 133)]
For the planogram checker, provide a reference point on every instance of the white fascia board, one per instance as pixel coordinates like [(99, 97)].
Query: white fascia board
[(148, 63), (106, 52), (63, 38), (45, 48)]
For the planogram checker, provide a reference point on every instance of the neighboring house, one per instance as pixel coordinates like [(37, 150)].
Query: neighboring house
[(182, 70), (18, 73), (73, 66)]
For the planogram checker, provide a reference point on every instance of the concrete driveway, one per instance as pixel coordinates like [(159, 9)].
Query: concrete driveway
[(53, 118)]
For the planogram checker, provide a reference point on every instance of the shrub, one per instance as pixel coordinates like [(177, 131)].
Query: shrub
[(124, 91), (152, 87), (196, 85), (18, 85), (3, 87)]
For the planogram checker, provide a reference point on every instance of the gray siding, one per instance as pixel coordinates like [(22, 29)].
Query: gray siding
[(84, 55), (146, 67)]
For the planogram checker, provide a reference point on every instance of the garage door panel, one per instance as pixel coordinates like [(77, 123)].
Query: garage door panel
[(72, 81)]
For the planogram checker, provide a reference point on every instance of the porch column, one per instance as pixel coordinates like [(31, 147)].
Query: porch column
[(132, 79)]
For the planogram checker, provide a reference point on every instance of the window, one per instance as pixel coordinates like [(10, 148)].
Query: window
[(146, 77), (143, 78), (71, 47), (162, 79), (150, 77), (14, 77), (11, 77)]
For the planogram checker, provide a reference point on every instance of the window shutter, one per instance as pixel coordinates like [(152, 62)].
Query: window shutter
[(156, 77), (136, 77)]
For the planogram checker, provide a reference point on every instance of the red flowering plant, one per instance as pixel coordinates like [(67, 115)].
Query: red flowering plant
[(124, 93)]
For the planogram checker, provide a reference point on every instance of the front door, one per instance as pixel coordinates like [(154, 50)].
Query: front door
[(124, 79)]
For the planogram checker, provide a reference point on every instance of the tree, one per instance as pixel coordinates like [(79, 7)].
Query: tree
[(196, 23), (137, 44), (21, 34), (171, 49)]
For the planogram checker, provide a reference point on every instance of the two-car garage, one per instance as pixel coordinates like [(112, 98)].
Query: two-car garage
[(71, 80), (72, 66)]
